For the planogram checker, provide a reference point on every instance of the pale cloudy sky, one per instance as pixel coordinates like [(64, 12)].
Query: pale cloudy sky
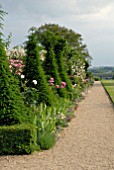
[(93, 19)]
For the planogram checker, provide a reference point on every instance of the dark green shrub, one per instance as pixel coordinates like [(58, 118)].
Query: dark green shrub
[(96, 78), (33, 71), (12, 109), (50, 64), (59, 51), (46, 140), (113, 77), (18, 139)]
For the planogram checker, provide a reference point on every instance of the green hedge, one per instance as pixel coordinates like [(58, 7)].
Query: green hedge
[(18, 139)]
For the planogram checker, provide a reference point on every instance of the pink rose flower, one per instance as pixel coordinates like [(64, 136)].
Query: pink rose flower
[(51, 80), (63, 84)]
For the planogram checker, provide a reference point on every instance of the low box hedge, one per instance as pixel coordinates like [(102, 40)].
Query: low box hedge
[(18, 139)]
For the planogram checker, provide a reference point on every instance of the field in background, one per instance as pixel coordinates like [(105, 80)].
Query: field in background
[(104, 72), (109, 86)]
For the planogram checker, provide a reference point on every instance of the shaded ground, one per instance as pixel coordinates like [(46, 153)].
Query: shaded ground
[(87, 144)]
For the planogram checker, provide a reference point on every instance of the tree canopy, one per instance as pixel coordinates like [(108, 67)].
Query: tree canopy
[(74, 40)]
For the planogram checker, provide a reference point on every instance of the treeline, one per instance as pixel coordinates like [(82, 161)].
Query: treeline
[(104, 72)]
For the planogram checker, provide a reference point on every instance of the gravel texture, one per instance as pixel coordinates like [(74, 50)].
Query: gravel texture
[(86, 144)]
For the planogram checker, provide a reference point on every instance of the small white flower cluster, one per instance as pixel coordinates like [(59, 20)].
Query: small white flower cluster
[(79, 70), (34, 81), (16, 53), (22, 76)]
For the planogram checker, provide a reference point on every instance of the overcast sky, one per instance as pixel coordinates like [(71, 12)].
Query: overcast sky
[(93, 19)]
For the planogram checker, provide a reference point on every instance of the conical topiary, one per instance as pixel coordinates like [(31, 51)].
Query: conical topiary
[(34, 71), (59, 50), (12, 109), (50, 64)]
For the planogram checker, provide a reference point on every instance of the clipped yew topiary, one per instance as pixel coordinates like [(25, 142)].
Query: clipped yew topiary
[(34, 71), (59, 51), (50, 64), (53, 72), (12, 109)]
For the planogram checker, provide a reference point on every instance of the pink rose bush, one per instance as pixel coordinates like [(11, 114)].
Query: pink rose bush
[(16, 66), (51, 83), (15, 57)]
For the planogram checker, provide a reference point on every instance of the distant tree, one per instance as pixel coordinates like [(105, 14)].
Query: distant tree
[(74, 39)]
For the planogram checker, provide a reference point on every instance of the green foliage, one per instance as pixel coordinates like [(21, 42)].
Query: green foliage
[(8, 41), (18, 139), (45, 118), (63, 111), (51, 119), (54, 64), (33, 71), (46, 124), (12, 109), (64, 49), (73, 38), (67, 46), (50, 64), (46, 140), (96, 78), (30, 94), (59, 49), (74, 48)]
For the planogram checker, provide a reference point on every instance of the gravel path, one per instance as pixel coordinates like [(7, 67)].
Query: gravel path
[(86, 144)]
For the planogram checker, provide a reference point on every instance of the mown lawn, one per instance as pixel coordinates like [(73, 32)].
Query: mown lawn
[(109, 86)]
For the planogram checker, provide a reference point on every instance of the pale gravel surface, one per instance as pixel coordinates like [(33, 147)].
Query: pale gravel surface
[(87, 144)]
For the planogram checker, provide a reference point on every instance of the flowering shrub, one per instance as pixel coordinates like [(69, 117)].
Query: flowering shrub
[(78, 70), (16, 53), (51, 82), (30, 94), (16, 66), (16, 57), (80, 77)]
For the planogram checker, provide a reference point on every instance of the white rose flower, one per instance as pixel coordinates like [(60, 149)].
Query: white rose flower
[(22, 76), (34, 81)]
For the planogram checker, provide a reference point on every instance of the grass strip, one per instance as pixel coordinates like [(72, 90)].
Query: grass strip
[(109, 87)]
